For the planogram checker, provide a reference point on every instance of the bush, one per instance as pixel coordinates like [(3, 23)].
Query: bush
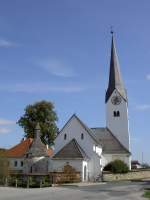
[(116, 166)]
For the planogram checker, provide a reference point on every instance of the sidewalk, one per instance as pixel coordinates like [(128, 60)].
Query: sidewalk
[(81, 184)]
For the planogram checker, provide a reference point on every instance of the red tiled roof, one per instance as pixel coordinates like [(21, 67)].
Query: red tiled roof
[(21, 149)]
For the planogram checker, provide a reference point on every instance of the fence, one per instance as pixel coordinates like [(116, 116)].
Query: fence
[(132, 175)]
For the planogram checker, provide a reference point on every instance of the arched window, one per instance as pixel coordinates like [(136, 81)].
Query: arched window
[(116, 113), (65, 136), (82, 136), (15, 163), (21, 163)]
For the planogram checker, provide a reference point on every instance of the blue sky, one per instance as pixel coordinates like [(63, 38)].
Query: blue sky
[(60, 51)]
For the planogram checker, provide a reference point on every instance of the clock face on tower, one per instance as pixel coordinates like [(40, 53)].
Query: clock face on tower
[(116, 100)]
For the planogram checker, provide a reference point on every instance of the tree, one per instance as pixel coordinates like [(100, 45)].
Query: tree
[(43, 113), (145, 166), (4, 164), (116, 166)]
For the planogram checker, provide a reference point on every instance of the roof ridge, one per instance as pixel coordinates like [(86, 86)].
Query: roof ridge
[(87, 129), (82, 124), (79, 147), (24, 141)]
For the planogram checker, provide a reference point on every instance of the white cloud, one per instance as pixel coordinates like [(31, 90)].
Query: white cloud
[(143, 107), (148, 77), (6, 43), (57, 68), (4, 130), (6, 122), (44, 88)]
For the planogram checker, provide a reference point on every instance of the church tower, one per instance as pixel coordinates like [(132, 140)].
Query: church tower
[(117, 102)]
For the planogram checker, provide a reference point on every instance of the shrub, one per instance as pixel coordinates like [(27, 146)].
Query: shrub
[(116, 166)]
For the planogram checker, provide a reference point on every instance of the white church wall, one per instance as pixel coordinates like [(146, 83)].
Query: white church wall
[(119, 126), (74, 130), (94, 167), (84, 175)]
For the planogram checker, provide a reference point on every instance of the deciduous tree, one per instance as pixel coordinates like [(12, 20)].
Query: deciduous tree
[(43, 113)]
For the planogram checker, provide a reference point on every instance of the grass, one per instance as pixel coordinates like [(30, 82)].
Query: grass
[(147, 194)]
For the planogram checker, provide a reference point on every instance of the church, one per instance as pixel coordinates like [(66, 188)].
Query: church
[(87, 149)]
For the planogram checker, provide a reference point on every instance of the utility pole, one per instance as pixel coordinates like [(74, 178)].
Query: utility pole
[(142, 157)]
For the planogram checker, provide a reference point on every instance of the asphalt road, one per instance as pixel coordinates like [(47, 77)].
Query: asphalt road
[(111, 191)]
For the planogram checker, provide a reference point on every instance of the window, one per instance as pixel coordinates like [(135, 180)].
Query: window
[(82, 136), (116, 114), (21, 163), (65, 136), (15, 163)]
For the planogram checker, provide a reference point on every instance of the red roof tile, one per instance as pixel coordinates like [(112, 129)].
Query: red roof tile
[(21, 149)]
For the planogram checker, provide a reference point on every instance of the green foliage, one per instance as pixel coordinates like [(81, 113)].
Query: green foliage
[(43, 113), (147, 194), (145, 166), (46, 181), (116, 166)]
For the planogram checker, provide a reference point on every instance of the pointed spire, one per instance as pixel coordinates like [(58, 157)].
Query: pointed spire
[(115, 79), (37, 131)]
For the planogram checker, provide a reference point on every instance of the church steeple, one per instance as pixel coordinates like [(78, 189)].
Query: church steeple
[(116, 101), (115, 79)]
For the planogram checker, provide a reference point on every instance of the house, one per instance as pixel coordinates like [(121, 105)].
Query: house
[(88, 150), (135, 164), (30, 156)]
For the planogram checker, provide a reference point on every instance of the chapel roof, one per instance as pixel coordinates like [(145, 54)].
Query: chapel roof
[(72, 150)]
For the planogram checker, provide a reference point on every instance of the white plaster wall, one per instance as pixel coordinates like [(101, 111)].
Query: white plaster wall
[(12, 161), (84, 163), (94, 168), (119, 126), (74, 130)]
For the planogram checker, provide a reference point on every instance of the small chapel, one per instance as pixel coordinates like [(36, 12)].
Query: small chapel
[(87, 150)]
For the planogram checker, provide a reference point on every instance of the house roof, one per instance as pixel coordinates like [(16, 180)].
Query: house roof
[(110, 144), (72, 150), (22, 148), (115, 79)]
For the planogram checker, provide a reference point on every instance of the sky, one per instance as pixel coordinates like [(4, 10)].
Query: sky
[(59, 51)]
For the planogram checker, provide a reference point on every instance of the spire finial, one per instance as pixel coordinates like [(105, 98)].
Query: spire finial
[(111, 30)]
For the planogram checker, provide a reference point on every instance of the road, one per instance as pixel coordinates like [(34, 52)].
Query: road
[(108, 191)]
